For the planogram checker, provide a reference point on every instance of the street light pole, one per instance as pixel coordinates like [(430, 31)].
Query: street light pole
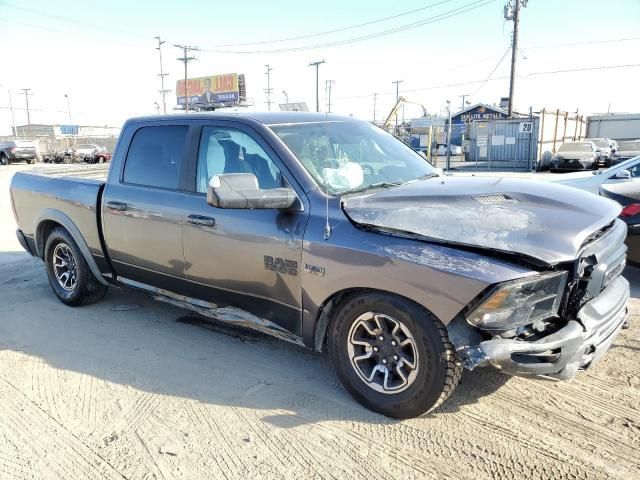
[(464, 97), (375, 98), (68, 107), (449, 136), (13, 118), (286, 96), (317, 65)]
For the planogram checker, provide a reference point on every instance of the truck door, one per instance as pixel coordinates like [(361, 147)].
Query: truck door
[(141, 207), (248, 259)]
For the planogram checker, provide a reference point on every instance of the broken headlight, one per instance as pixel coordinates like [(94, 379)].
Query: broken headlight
[(521, 302)]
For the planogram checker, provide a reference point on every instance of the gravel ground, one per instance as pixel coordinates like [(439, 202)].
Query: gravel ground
[(131, 388)]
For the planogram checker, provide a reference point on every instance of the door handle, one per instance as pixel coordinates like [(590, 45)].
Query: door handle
[(119, 206), (200, 220)]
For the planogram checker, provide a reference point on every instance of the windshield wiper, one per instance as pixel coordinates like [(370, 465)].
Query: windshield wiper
[(375, 185)]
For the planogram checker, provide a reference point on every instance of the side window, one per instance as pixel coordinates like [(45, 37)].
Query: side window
[(226, 150), (155, 155)]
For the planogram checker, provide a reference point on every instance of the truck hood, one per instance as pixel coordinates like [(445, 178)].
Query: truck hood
[(537, 219)]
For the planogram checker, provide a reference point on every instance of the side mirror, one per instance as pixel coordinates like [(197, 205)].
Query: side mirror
[(623, 174), (241, 190)]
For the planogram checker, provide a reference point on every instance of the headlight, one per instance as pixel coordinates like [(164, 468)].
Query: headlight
[(521, 302)]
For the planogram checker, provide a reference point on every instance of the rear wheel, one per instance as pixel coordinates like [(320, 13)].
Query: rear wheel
[(3, 159), (393, 356), (69, 275)]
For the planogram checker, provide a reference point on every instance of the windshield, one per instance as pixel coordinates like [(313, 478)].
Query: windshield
[(348, 156), (601, 143), (575, 147), (629, 147)]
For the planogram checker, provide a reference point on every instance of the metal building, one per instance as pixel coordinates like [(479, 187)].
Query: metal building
[(616, 126), (477, 112)]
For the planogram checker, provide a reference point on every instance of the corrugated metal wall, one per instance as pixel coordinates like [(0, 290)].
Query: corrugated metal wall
[(504, 143)]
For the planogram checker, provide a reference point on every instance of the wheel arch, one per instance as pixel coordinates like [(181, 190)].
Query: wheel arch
[(47, 220), (325, 312)]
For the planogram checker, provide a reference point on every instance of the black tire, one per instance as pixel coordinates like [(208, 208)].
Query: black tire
[(86, 289), (437, 371), (3, 159)]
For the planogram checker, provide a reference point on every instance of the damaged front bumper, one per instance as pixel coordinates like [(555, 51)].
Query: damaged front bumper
[(577, 346)]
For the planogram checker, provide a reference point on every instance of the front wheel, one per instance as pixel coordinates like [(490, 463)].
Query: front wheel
[(69, 275), (393, 356)]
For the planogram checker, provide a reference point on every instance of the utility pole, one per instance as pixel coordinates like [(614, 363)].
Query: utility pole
[(186, 49), (464, 97), (317, 65), (397, 82), (512, 12), (375, 98), (26, 93), (162, 90), (449, 136), (328, 85), (268, 90)]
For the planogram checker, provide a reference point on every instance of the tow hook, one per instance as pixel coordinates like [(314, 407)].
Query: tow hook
[(473, 356)]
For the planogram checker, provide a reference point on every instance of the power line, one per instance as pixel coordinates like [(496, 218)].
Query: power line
[(337, 30), (503, 77), (82, 23), (437, 18), (576, 44), (492, 72)]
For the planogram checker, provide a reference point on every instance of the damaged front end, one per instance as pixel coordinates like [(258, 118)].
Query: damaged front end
[(552, 324)]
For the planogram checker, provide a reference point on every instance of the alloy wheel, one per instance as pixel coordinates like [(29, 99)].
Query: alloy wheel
[(64, 267), (383, 352)]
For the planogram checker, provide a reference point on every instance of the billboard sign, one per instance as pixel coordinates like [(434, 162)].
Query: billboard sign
[(226, 89)]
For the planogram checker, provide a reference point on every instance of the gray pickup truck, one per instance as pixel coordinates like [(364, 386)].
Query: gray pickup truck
[(328, 232)]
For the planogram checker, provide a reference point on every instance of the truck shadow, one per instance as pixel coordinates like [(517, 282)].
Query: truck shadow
[(129, 339)]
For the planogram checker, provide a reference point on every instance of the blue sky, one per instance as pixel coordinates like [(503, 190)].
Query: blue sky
[(102, 54)]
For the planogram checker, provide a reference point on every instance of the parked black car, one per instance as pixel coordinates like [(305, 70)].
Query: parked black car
[(13, 150)]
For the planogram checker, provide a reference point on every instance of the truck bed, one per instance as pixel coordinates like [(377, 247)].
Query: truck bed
[(36, 194)]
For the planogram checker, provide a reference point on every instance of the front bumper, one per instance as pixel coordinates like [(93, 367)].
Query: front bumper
[(572, 165), (577, 346)]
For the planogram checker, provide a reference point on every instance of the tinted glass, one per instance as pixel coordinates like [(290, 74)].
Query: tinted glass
[(226, 150), (347, 156), (155, 156)]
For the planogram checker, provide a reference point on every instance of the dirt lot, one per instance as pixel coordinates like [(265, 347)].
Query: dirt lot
[(131, 388)]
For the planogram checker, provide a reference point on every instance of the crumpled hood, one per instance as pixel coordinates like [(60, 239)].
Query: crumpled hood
[(534, 218)]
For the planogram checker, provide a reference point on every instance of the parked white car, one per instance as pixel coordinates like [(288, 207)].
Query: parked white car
[(627, 171), (455, 149)]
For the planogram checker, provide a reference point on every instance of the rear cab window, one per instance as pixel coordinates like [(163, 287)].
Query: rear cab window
[(155, 156)]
